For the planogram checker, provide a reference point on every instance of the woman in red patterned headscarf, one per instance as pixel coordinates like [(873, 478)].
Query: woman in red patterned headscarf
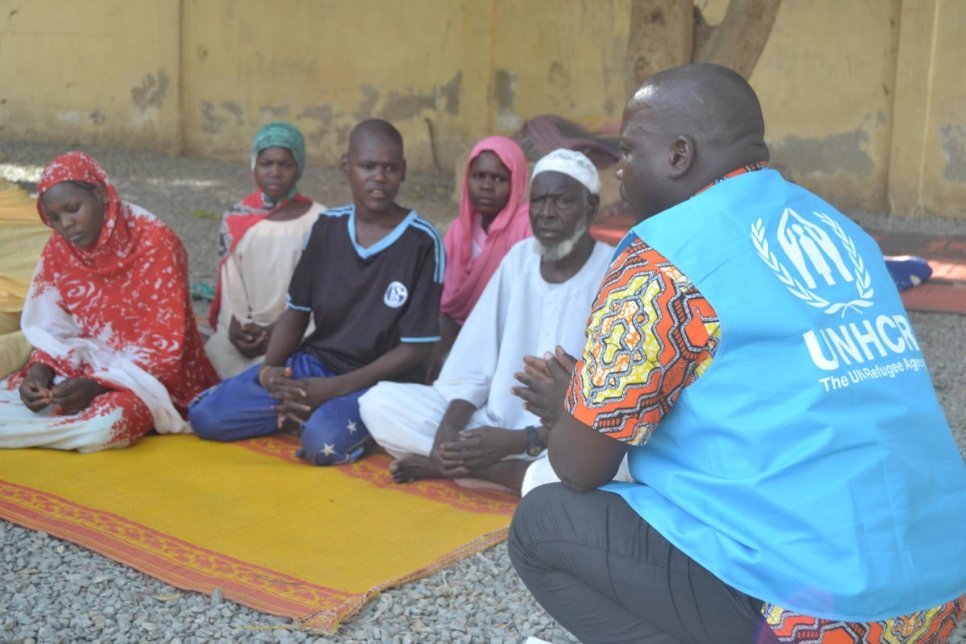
[(116, 349)]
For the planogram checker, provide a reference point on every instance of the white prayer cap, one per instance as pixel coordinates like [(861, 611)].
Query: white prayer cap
[(571, 163)]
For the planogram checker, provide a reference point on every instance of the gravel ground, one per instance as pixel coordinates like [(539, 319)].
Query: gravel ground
[(54, 591)]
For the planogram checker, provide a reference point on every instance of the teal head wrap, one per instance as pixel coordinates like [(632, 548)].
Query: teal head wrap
[(280, 135)]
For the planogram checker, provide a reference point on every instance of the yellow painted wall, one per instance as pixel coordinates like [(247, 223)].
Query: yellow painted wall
[(863, 100), (325, 65), (928, 160), (446, 73), (99, 71), (576, 72), (825, 81), (944, 171)]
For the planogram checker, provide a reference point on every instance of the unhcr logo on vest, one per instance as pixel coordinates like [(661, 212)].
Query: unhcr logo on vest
[(819, 264), (820, 268)]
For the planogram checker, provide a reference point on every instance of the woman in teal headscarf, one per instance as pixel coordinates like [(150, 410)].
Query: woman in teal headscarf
[(261, 241)]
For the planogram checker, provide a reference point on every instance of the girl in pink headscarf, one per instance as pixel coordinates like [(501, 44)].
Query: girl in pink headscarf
[(494, 215)]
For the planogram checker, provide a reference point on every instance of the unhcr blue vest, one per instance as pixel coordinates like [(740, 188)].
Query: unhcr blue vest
[(811, 465)]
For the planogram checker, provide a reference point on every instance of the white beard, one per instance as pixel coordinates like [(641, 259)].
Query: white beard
[(562, 249)]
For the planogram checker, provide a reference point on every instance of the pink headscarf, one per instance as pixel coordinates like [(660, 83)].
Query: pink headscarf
[(466, 276)]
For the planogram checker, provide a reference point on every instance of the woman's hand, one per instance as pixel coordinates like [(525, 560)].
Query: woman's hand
[(250, 339), (35, 388), (75, 394)]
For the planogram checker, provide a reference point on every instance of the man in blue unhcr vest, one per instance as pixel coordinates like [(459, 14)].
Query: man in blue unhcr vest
[(796, 479)]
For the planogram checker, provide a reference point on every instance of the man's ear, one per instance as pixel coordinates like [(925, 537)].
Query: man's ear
[(593, 203), (680, 156), (403, 171), (344, 163)]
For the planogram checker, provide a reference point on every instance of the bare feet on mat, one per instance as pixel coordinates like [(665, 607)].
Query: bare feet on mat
[(413, 467), (506, 476)]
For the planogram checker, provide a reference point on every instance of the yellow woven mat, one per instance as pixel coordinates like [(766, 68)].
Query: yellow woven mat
[(311, 543)]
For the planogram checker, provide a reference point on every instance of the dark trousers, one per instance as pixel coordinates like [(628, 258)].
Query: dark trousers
[(607, 576)]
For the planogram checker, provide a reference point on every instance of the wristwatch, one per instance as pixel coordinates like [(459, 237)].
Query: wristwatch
[(534, 447)]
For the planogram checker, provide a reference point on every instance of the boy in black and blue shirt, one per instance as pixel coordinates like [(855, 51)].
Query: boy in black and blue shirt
[(370, 279)]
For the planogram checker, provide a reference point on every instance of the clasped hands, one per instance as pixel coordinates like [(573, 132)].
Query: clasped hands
[(544, 385), (70, 396), (298, 398), (460, 452), (249, 338), (545, 381)]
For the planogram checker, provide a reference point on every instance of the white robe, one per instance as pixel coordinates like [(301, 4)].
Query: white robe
[(518, 314), (254, 282)]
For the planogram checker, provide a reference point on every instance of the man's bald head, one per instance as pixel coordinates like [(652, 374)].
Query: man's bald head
[(688, 126), (710, 102), (375, 129)]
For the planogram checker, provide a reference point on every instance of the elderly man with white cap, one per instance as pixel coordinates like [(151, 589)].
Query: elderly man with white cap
[(468, 425)]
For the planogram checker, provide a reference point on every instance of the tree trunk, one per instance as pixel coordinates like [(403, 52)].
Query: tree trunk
[(740, 38), (660, 37)]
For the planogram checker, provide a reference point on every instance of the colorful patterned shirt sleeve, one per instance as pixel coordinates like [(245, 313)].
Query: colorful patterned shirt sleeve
[(650, 335), (934, 625)]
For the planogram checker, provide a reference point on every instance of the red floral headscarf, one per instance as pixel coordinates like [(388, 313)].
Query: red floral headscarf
[(117, 242)]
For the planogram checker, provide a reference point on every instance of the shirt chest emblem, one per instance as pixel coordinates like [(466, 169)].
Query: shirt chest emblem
[(396, 295)]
